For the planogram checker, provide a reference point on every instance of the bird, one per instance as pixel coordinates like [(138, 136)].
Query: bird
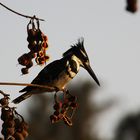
[(59, 73)]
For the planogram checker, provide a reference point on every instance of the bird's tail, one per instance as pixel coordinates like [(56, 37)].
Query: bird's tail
[(22, 97)]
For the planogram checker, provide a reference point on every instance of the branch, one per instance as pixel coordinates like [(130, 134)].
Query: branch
[(26, 84), (26, 16)]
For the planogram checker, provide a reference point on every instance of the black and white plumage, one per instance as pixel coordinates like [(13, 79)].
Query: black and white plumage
[(58, 73)]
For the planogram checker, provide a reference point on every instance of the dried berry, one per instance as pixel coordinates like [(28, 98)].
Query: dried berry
[(31, 35), (24, 59), (9, 123), (38, 36), (30, 64), (24, 125), (6, 114), (131, 6), (57, 106), (63, 111), (14, 127), (18, 136), (65, 105), (73, 105), (45, 45), (32, 55), (10, 131), (40, 60), (24, 71), (38, 42), (45, 38), (53, 118), (56, 113), (24, 133), (17, 124), (40, 54), (72, 98), (46, 57), (4, 101)]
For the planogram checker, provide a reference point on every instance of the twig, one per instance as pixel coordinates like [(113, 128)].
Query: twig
[(26, 84), (26, 16)]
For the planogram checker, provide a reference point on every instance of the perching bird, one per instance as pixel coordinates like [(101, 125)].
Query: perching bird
[(58, 73)]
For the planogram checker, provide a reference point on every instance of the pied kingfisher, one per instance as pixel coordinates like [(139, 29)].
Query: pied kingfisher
[(58, 73)]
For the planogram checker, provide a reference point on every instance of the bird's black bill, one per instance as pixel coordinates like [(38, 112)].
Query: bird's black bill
[(92, 74)]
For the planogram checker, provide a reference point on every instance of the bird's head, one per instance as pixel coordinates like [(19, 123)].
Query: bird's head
[(78, 51)]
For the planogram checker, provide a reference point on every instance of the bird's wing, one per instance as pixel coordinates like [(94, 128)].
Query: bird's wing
[(49, 73)]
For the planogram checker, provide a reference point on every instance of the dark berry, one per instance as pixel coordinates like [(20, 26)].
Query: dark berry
[(57, 106), (32, 55), (6, 114), (73, 105), (30, 64), (72, 98), (38, 36), (18, 136), (10, 131), (9, 123), (17, 123), (24, 59), (56, 113), (53, 118), (24, 133), (65, 105), (4, 101), (24, 70)]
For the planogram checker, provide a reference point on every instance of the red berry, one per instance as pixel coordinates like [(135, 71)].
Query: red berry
[(45, 38), (46, 57), (45, 45)]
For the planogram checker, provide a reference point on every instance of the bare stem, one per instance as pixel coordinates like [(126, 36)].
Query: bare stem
[(26, 84), (26, 16)]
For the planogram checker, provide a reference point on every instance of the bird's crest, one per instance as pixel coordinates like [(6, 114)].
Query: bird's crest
[(76, 47)]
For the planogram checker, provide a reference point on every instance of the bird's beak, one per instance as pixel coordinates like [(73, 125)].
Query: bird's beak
[(91, 72)]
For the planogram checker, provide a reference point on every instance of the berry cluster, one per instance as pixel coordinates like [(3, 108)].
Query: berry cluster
[(38, 43), (14, 127), (64, 110), (131, 6)]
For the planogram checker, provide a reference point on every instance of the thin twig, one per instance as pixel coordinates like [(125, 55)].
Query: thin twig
[(26, 84), (26, 16)]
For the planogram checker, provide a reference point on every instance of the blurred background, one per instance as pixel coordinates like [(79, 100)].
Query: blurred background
[(109, 112)]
